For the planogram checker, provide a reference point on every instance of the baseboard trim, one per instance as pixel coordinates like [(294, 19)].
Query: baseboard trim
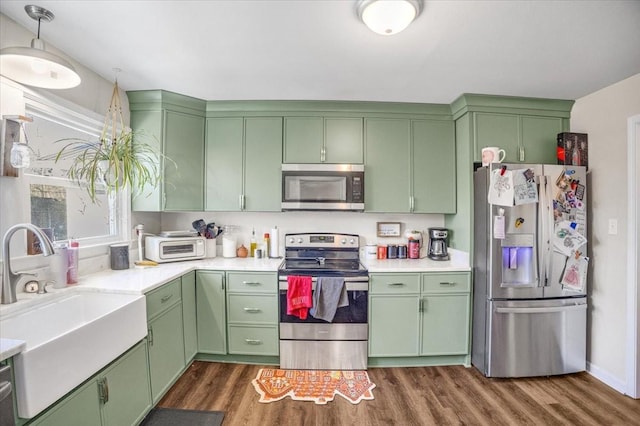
[(607, 378)]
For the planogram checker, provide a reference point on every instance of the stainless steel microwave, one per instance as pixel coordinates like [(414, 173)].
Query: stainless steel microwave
[(323, 187)]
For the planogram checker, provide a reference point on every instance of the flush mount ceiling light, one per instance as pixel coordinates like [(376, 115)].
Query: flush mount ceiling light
[(388, 17), (35, 66)]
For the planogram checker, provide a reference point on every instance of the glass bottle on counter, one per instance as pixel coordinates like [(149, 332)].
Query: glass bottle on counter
[(254, 244), (266, 244)]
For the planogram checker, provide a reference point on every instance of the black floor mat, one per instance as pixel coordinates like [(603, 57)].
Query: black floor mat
[(178, 417)]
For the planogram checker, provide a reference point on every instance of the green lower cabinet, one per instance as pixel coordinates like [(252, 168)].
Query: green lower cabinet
[(125, 391), (415, 314), (445, 325), (166, 350), (118, 395), (252, 313), (210, 312), (253, 340), (189, 316), (393, 325)]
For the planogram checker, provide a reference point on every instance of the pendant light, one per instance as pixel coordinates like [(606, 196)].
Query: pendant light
[(34, 66), (388, 17)]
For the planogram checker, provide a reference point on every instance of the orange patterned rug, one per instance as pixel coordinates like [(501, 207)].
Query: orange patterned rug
[(319, 386)]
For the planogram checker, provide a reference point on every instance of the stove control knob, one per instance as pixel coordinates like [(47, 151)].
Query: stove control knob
[(299, 240), (343, 241), (352, 241), (291, 240)]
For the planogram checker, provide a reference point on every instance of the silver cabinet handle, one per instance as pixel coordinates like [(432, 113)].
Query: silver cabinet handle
[(241, 200), (253, 341), (251, 283), (421, 306), (103, 390), (396, 284), (411, 203), (150, 334), (252, 310), (323, 154), (445, 284), (522, 153), (165, 298)]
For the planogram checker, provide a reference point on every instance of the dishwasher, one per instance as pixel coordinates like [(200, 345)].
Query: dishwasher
[(6, 400)]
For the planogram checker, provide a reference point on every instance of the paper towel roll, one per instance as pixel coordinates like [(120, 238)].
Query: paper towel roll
[(274, 243)]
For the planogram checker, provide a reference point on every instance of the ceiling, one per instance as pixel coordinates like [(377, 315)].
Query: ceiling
[(318, 49)]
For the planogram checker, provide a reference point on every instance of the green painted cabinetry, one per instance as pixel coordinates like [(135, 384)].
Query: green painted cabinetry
[(166, 337), (174, 124), (211, 312), (252, 313), (189, 316), (117, 395), (410, 166), (243, 158), (332, 140), (445, 306), (419, 314), (394, 316)]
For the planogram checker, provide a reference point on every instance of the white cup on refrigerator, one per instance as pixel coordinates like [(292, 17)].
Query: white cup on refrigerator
[(492, 154)]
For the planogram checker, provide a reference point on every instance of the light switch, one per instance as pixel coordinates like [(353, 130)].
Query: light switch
[(613, 226)]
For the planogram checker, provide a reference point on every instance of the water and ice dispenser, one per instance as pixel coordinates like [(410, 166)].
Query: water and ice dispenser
[(519, 261)]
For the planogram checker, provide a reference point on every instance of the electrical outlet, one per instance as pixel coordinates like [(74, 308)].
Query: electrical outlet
[(613, 226)]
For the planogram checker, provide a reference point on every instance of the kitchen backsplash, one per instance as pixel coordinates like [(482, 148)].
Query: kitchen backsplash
[(363, 224)]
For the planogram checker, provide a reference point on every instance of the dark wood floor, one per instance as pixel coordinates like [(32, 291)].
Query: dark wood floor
[(452, 395)]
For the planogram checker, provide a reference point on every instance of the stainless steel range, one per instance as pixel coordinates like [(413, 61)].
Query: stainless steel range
[(314, 343)]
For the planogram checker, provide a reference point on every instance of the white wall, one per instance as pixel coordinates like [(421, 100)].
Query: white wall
[(603, 115)]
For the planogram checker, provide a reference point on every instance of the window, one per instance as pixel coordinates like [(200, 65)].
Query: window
[(56, 203)]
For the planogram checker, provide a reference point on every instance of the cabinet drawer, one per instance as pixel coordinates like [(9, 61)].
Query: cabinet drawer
[(253, 282), (446, 283), (248, 308), (164, 297), (394, 283), (253, 340)]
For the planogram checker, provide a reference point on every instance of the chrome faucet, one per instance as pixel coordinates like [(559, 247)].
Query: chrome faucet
[(9, 278)]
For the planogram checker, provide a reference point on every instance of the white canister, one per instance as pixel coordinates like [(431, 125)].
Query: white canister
[(211, 247), (228, 245), (370, 251)]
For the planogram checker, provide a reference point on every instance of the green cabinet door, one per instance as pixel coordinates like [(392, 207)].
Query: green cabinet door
[(303, 139), (80, 408), (126, 396), (499, 130), (433, 167), (393, 325), (210, 312), (184, 144), (189, 316), (148, 129), (343, 141), (224, 153), (445, 324), (539, 139), (387, 165), (332, 140), (263, 158), (166, 350)]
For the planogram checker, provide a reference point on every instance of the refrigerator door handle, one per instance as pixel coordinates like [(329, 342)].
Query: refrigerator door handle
[(546, 310), (542, 180), (544, 237)]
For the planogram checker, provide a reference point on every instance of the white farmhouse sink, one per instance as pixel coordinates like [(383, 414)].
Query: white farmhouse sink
[(68, 340)]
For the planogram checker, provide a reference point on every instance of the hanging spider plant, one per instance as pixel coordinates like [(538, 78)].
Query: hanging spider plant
[(115, 161)]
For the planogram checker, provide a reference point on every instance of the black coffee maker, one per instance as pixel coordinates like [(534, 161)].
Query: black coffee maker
[(438, 244)]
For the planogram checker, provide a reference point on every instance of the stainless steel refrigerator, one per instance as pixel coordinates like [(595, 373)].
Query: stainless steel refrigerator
[(530, 264)]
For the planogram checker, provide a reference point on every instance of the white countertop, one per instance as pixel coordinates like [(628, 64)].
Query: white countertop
[(141, 280)]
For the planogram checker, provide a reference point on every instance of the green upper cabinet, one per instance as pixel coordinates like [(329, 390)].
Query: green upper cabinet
[(174, 124), (243, 158), (332, 140), (433, 166), (410, 166), (526, 128), (387, 162)]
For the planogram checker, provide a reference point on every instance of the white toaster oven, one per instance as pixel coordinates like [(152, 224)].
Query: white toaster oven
[(167, 249)]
